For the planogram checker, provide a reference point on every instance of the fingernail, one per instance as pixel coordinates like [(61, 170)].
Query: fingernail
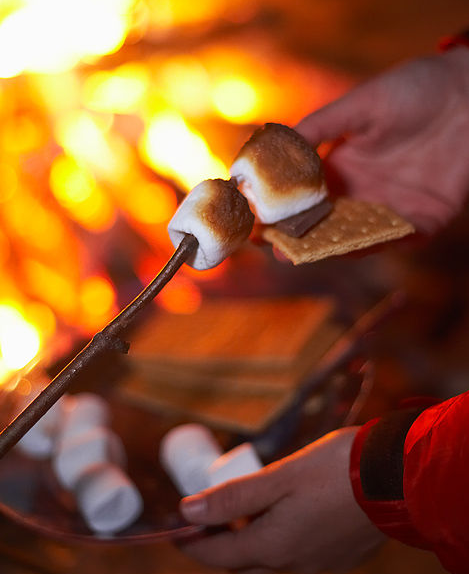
[(194, 508)]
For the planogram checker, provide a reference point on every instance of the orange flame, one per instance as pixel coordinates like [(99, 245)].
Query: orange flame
[(76, 190), (20, 341), (97, 300), (51, 36), (236, 99), (181, 296), (76, 132), (176, 150)]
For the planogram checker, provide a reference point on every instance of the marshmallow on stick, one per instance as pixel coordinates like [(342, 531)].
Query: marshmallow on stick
[(218, 216), (279, 173)]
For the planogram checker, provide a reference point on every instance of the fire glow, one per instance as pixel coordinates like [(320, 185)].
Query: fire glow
[(20, 341), (172, 147), (102, 126), (32, 33)]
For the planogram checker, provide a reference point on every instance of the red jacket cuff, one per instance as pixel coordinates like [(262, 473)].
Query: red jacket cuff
[(390, 516), (448, 42)]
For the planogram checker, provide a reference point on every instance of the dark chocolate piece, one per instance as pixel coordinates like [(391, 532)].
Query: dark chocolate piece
[(297, 225)]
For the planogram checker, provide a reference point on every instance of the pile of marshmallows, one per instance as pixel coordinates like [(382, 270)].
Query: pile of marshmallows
[(88, 460), (275, 176)]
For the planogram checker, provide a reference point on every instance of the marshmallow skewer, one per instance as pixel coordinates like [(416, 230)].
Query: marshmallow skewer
[(219, 217), (106, 340)]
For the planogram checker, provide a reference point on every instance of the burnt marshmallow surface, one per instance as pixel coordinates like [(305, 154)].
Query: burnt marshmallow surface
[(279, 173)]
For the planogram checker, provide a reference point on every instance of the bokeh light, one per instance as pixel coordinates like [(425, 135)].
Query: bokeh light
[(178, 151), (236, 99), (50, 36), (20, 341)]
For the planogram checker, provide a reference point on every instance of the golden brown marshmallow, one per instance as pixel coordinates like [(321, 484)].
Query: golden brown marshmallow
[(218, 216), (279, 173)]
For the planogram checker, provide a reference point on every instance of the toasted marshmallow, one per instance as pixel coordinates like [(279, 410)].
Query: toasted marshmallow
[(279, 173), (218, 216)]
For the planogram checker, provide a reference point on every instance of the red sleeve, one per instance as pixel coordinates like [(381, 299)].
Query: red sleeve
[(449, 42), (421, 497)]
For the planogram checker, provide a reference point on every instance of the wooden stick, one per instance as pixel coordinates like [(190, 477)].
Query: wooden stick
[(106, 340)]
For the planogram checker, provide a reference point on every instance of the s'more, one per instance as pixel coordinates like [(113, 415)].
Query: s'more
[(281, 176), (350, 226)]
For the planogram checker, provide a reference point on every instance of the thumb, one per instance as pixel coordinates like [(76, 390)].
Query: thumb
[(350, 113), (237, 498)]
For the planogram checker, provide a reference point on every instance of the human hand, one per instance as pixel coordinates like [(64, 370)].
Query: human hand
[(405, 139), (303, 514)]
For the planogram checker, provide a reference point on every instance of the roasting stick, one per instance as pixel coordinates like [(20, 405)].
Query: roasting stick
[(106, 340)]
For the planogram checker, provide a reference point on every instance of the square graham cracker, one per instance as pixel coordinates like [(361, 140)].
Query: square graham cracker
[(351, 225), (228, 334), (245, 380), (237, 412)]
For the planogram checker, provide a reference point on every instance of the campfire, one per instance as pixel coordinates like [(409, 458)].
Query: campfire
[(109, 112)]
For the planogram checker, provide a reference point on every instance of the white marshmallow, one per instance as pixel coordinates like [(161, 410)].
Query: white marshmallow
[(279, 173), (186, 452), (258, 194), (83, 412), (39, 442), (107, 499), (78, 454), (239, 461), (218, 216)]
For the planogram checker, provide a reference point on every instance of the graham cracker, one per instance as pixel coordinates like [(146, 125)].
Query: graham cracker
[(351, 225), (238, 412), (255, 334), (239, 401), (267, 381)]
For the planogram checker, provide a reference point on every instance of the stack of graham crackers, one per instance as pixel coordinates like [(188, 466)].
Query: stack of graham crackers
[(234, 363)]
